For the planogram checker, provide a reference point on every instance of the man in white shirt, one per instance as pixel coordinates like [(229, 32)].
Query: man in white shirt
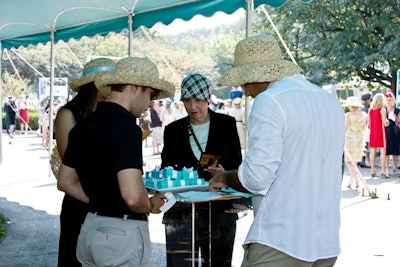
[(293, 164)]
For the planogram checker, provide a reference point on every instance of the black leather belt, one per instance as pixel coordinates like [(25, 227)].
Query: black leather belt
[(133, 216)]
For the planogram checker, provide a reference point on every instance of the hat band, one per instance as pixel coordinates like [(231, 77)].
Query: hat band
[(99, 69)]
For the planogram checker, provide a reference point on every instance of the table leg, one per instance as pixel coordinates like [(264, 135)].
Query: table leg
[(193, 233), (209, 233)]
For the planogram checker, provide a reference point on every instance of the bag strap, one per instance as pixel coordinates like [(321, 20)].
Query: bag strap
[(191, 132)]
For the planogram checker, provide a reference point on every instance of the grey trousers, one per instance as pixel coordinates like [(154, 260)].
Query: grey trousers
[(108, 241), (257, 255)]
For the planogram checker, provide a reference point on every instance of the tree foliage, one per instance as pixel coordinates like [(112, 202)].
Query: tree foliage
[(12, 85), (340, 40), (331, 40), (201, 50)]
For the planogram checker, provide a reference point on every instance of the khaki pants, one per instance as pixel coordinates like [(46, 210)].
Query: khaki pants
[(108, 241), (257, 255)]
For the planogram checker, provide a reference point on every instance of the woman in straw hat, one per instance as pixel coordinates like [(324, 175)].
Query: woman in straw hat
[(209, 134), (105, 150), (293, 165), (73, 212), (356, 123)]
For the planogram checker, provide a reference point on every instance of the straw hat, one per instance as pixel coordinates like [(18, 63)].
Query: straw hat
[(137, 71), (352, 101), (92, 71), (258, 59)]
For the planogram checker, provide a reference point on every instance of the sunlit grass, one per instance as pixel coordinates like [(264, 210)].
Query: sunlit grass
[(3, 223)]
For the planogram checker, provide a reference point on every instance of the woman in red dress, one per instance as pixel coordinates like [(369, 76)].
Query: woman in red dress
[(24, 115), (377, 120)]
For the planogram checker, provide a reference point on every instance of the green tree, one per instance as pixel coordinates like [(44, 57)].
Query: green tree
[(12, 85), (205, 50), (340, 40)]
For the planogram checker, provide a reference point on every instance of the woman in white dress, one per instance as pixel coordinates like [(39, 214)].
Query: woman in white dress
[(237, 111)]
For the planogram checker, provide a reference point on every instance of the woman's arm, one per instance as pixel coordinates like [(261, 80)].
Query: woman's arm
[(347, 122), (64, 122), (68, 182), (385, 120)]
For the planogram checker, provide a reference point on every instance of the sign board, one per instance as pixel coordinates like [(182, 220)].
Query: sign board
[(60, 88)]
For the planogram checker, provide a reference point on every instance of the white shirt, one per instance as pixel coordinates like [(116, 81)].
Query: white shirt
[(293, 169)]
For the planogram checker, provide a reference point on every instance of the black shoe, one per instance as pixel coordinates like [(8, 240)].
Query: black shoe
[(363, 165)]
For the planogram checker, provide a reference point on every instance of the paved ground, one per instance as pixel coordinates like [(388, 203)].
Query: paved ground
[(29, 198)]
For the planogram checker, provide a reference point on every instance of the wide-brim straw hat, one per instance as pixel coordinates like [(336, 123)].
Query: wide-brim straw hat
[(258, 59), (352, 101), (137, 71), (92, 71)]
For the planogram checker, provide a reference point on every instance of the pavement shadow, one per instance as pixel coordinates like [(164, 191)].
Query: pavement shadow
[(350, 193), (377, 181), (34, 147), (46, 185), (32, 236)]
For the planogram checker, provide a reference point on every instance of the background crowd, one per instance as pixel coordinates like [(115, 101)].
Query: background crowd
[(372, 132), (16, 110)]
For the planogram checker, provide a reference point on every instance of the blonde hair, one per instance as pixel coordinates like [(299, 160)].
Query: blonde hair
[(378, 101)]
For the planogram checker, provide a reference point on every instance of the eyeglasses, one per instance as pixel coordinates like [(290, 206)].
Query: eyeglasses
[(154, 93)]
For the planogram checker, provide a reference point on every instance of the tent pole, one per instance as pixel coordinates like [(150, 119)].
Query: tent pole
[(130, 23), (51, 119), (27, 63), (16, 70), (1, 119), (279, 34), (249, 12)]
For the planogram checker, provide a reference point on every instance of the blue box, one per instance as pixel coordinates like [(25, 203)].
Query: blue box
[(185, 175), (155, 173), (167, 173)]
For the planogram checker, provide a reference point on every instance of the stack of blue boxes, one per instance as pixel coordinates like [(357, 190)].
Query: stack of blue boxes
[(170, 178)]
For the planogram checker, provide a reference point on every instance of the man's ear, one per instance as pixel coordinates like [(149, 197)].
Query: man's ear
[(135, 89)]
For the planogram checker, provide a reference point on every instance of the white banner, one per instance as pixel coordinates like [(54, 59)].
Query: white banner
[(60, 88)]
